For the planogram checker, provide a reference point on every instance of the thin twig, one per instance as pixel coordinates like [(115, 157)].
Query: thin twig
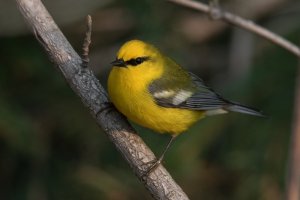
[(87, 42), (240, 22), (82, 80)]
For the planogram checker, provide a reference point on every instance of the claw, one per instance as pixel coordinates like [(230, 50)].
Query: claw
[(107, 108), (154, 164)]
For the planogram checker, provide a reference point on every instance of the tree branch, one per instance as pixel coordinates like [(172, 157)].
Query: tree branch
[(248, 25), (87, 87)]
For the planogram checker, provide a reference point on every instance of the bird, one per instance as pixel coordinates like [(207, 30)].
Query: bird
[(152, 90)]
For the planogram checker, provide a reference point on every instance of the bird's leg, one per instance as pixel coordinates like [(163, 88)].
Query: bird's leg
[(155, 162)]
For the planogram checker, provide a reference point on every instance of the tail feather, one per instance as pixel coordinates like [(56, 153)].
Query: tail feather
[(234, 107)]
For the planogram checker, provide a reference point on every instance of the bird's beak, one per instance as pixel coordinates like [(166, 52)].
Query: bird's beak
[(118, 63)]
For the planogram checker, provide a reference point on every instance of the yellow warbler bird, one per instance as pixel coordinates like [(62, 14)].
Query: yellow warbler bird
[(152, 90)]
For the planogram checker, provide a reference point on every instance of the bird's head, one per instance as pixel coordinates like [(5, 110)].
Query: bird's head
[(136, 53)]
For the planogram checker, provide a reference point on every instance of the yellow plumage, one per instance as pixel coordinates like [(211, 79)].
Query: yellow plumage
[(128, 90), (153, 91)]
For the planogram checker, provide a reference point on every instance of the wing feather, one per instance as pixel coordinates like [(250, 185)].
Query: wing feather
[(187, 91), (195, 95)]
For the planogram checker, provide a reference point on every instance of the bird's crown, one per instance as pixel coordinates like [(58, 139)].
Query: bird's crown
[(136, 48)]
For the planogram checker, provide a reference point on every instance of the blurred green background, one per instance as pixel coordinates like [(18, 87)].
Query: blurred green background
[(51, 147)]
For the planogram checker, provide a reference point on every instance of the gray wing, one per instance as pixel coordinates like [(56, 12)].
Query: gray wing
[(194, 96), (204, 97)]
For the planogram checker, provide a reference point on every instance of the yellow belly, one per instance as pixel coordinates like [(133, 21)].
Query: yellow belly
[(128, 94)]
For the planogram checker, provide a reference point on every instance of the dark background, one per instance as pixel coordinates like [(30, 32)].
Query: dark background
[(51, 147)]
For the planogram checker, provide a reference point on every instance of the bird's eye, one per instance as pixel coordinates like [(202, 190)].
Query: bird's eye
[(138, 60)]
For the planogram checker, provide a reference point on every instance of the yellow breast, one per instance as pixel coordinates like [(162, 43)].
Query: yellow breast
[(128, 90)]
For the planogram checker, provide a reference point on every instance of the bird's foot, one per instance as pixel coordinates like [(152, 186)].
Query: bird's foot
[(107, 107), (153, 165)]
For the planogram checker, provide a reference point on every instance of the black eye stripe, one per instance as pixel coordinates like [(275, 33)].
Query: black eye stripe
[(136, 61)]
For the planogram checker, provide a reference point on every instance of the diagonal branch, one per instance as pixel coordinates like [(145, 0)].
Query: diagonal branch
[(248, 25), (81, 79)]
